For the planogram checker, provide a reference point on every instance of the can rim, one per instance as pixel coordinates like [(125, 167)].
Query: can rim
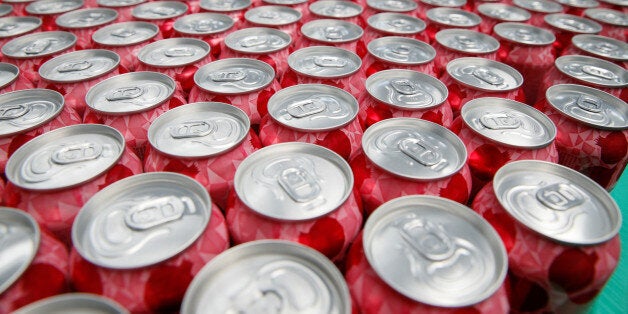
[(19, 19), (516, 75), (5, 9), (122, 4), (137, 10), (418, 45), (29, 222), (311, 50), (31, 37), (548, 6), (31, 7), (552, 19), (620, 72), (60, 21), (578, 40), (47, 94), (49, 65), (205, 5), (69, 300), (11, 68), (543, 34), (445, 4), (178, 24), (145, 52), (104, 31), (590, 13), (580, 4), (371, 80)]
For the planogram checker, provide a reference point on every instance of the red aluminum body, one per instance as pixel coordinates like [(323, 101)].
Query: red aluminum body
[(2, 187), (166, 25), (612, 28), (565, 33), (18, 83), (539, 10), (128, 54)]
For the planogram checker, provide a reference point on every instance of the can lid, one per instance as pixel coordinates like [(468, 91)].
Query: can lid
[(74, 303), (38, 45), (225, 5), (21, 236), (130, 93), (284, 2), (573, 23), (590, 106), (525, 34), (607, 16), (81, 152), (509, 122), (406, 89), (414, 149), (392, 5), (504, 12), (234, 76), (313, 107), (453, 17), (125, 33), (602, 46), (258, 40), (484, 74), (293, 181), (118, 3), (203, 24), (273, 275), (159, 10), (557, 202), (445, 3), (401, 50), (396, 23), (540, 6), (86, 18), (583, 4), (336, 9), (173, 52), (428, 248), (467, 41), (272, 15), (8, 74), (593, 71), (18, 1), (619, 3), (28, 109), (324, 62), (12, 26), (199, 130), (5, 9), (50, 7), (79, 66), (141, 220), (331, 31)]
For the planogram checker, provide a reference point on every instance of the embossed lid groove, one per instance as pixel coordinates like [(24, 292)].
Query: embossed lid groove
[(203, 24), (484, 74), (38, 45), (406, 89), (159, 10), (324, 62), (173, 52), (20, 236), (336, 9), (401, 50), (74, 303), (28, 109), (608, 16), (272, 15), (392, 5), (602, 47), (258, 40), (234, 76), (225, 5), (572, 23), (592, 70), (524, 34), (12, 26), (453, 17), (504, 12), (86, 18), (396, 23), (467, 41), (50, 7), (540, 6), (331, 31), (79, 66), (125, 33), (8, 74)]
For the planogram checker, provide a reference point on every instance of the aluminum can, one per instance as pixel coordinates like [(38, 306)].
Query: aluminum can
[(84, 23), (19, 6), (161, 13), (141, 240), (277, 275), (404, 93), (299, 192), (74, 303), (409, 156), (27, 114), (394, 24), (566, 26), (5, 9), (470, 78), (279, 17), (614, 23), (212, 28), (11, 80), (245, 83), (123, 7), (451, 44), (34, 265), (13, 26), (618, 5), (90, 157), (602, 47), (262, 43), (577, 7), (395, 6), (417, 250), (49, 10), (313, 113), (528, 49), (426, 5), (299, 5), (325, 65), (392, 52), (234, 8), (126, 39), (448, 18), (557, 262), (330, 32), (205, 141), (539, 9), (495, 13), (30, 51), (599, 119), (335, 9)]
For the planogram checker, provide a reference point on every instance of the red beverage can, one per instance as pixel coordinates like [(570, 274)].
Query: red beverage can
[(234, 8), (566, 26), (262, 43), (279, 17), (313, 113), (40, 269), (331, 32), (415, 251), (560, 232), (6, 9), (404, 93), (451, 44), (426, 5), (161, 13), (409, 156), (244, 83), (394, 24), (141, 240), (577, 7), (90, 157), (299, 192), (539, 9), (602, 47), (445, 18), (123, 7), (126, 39), (11, 80), (335, 9), (211, 28), (392, 52), (614, 23), (205, 141), (393, 6), (84, 23), (49, 10), (495, 13), (13, 26), (599, 121), (470, 78), (19, 6), (69, 302)]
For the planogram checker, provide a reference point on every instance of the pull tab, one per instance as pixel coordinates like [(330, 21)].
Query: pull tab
[(10, 112), (457, 19), (334, 32), (7, 27), (177, 52), (428, 239), (394, 4), (466, 41), (38, 46), (488, 76), (254, 41), (123, 33), (330, 62), (299, 184), (157, 212), (573, 24), (500, 13), (74, 66), (91, 18), (560, 196), (56, 6), (500, 121), (401, 50), (399, 23), (605, 48), (125, 93), (269, 15), (599, 72), (163, 11), (205, 25), (336, 9), (590, 103), (191, 129), (304, 108), (420, 151), (227, 76), (524, 35), (405, 86), (77, 153)]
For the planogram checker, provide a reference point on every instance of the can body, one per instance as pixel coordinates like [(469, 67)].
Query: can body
[(18, 83), (530, 61)]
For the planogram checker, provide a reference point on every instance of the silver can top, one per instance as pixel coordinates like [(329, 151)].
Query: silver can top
[(28, 109), (159, 10), (5, 9), (258, 40), (284, 2), (130, 93), (619, 3), (203, 24), (273, 276), (8, 74), (582, 4), (118, 3), (445, 3), (392, 5), (293, 181), (80, 152), (142, 220), (38, 45), (50, 7), (557, 202), (414, 149), (86, 18), (590, 106), (483, 74), (524, 34), (234, 76), (79, 66), (602, 46), (467, 41), (608, 16), (20, 236), (406, 89), (331, 31), (313, 107), (125, 33), (336, 9), (74, 303), (573, 23), (199, 130), (272, 15), (173, 52), (12, 26), (401, 50), (453, 17), (504, 12), (593, 71), (539, 6), (508, 122), (428, 248), (225, 5), (396, 23), (324, 62)]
